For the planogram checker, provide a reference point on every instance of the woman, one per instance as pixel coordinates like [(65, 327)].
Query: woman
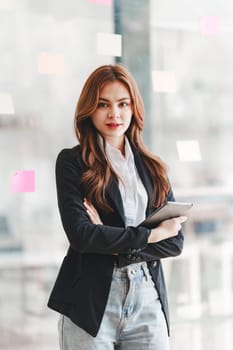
[(110, 290)]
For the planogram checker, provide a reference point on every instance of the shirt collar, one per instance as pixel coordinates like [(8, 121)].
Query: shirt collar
[(114, 153)]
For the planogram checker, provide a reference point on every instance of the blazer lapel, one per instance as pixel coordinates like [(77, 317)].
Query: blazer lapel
[(114, 197)]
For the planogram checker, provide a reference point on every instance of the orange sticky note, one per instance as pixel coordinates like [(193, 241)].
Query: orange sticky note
[(51, 64), (23, 181)]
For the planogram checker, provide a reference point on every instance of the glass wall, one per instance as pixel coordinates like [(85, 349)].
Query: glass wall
[(191, 63), (181, 55)]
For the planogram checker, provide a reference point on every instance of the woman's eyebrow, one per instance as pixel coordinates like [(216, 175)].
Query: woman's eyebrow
[(120, 99)]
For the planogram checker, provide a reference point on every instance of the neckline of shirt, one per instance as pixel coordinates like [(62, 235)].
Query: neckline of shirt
[(113, 152)]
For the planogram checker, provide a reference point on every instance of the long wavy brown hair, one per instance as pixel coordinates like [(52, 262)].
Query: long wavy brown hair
[(98, 173)]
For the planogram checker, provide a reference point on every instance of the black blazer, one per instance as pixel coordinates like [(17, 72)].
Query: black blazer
[(83, 283)]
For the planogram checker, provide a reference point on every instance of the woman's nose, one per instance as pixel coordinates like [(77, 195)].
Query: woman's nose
[(114, 112)]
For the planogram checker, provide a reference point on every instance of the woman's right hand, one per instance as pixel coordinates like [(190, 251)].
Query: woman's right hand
[(167, 229)]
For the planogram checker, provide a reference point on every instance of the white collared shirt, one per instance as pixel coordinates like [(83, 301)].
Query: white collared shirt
[(133, 192)]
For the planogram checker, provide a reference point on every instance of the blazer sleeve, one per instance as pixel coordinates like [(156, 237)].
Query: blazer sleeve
[(164, 249), (84, 236)]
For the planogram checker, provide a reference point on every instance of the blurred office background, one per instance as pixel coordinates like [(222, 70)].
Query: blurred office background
[(181, 54)]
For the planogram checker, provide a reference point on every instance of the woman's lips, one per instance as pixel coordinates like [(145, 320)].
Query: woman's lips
[(113, 125)]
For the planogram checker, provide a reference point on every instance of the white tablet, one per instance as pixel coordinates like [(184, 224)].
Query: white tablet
[(167, 211)]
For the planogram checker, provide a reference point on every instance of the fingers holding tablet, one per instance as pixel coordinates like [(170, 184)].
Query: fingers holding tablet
[(166, 229)]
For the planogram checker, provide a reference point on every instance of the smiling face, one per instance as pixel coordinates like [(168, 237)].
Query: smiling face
[(113, 114)]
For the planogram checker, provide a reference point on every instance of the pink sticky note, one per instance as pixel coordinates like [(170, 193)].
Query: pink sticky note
[(49, 63), (101, 2), (23, 181), (210, 25)]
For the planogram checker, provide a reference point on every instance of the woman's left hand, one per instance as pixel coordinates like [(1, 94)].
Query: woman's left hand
[(92, 213)]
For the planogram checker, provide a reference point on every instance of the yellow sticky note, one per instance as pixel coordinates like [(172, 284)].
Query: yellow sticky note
[(164, 81), (188, 150), (109, 44), (51, 64), (6, 104)]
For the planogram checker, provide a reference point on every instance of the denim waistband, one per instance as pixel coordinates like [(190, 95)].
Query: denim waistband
[(131, 269)]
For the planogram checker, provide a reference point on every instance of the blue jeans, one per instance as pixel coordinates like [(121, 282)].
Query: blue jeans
[(133, 319)]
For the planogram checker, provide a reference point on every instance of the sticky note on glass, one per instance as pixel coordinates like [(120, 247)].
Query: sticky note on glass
[(6, 4), (109, 44), (164, 81), (6, 104), (210, 25), (51, 64), (188, 150), (101, 2), (23, 181)]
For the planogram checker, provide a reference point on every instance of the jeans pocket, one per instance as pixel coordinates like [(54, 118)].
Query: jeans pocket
[(149, 284)]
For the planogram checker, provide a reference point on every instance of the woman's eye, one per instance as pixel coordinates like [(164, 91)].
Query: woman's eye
[(124, 104), (102, 105)]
